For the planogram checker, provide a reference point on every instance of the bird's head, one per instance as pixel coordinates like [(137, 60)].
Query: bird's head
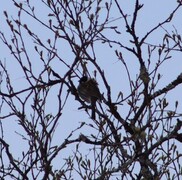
[(83, 79)]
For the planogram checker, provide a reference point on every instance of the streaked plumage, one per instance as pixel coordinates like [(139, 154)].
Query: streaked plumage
[(88, 91)]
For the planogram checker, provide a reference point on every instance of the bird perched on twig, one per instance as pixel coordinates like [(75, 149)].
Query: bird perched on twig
[(88, 91)]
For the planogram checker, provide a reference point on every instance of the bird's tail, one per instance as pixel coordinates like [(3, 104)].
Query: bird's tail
[(93, 104)]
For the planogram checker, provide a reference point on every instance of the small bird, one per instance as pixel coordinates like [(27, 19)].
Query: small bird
[(88, 91)]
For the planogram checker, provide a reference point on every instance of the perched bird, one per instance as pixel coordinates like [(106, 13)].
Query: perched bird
[(88, 91)]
